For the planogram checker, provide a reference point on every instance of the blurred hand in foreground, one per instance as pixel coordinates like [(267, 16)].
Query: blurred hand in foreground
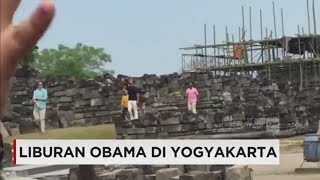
[(17, 40)]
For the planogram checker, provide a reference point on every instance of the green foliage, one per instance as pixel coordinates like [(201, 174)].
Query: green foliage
[(29, 58), (81, 61), (165, 91)]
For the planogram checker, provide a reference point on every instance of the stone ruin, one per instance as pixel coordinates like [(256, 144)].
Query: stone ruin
[(173, 172), (236, 106), (228, 106)]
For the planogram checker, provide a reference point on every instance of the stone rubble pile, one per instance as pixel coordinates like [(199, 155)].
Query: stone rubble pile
[(172, 172)]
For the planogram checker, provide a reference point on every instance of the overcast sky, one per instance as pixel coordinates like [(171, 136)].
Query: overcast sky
[(144, 36)]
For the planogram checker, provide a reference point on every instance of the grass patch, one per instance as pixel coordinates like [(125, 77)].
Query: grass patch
[(292, 140), (106, 131), (292, 145), (295, 138)]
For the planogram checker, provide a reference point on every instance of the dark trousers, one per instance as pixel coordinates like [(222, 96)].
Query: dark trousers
[(124, 113)]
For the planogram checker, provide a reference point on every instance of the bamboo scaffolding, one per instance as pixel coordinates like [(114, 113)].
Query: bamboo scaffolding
[(309, 26), (267, 54)]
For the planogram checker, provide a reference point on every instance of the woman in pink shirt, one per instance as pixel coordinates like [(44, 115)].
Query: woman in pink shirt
[(192, 95)]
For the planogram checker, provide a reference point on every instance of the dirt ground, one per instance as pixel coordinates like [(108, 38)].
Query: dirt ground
[(290, 159), (287, 177)]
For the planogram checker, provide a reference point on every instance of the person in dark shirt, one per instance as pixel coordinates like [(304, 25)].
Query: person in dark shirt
[(133, 93)]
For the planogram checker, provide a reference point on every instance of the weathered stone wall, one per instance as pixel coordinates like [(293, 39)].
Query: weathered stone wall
[(227, 104), (228, 107)]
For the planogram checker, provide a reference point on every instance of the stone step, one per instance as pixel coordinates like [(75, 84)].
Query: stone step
[(29, 170), (16, 178), (60, 174)]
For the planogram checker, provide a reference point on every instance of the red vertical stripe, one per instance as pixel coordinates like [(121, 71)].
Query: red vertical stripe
[(14, 154)]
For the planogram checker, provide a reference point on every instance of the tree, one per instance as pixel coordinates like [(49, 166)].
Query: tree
[(30, 57), (81, 61)]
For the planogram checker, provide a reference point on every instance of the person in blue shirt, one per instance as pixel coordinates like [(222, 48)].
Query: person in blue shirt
[(40, 97)]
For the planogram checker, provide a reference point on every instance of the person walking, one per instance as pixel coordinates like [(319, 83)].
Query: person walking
[(124, 104), (40, 96), (192, 96), (133, 93)]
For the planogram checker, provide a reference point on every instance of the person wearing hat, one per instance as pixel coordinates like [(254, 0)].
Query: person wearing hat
[(40, 96)]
